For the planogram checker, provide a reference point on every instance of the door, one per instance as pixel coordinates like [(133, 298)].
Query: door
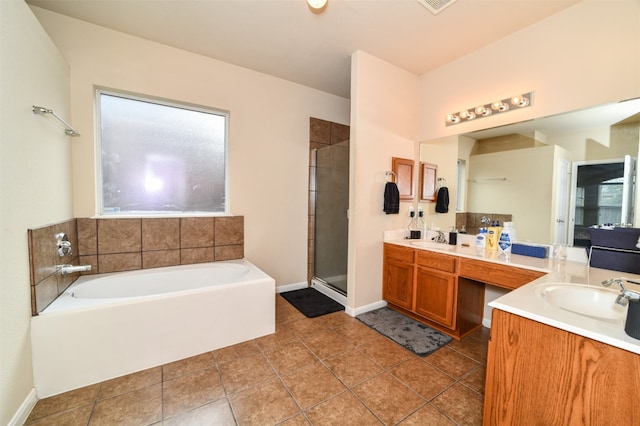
[(331, 220), (562, 202)]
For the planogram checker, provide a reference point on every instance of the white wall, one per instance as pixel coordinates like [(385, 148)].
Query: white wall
[(586, 55), (444, 153), (384, 106), (35, 181), (269, 130)]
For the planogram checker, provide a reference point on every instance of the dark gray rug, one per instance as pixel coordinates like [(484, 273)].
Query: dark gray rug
[(311, 302), (414, 336)]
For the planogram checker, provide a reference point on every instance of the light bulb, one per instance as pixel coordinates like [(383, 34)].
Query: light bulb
[(499, 106), (317, 6), (520, 101), (452, 118)]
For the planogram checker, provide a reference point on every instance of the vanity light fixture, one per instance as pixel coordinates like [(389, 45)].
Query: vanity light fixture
[(481, 111), (317, 6)]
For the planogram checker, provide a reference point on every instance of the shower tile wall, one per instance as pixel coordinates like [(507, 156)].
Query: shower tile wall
[(322, 133), (114, 245), (473, 221)]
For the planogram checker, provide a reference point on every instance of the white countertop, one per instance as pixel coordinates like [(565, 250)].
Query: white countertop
[(524, 301)]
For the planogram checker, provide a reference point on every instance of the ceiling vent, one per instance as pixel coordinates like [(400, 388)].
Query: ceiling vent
[(436, 6)]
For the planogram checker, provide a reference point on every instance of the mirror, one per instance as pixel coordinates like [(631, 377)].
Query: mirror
[(522, 172)]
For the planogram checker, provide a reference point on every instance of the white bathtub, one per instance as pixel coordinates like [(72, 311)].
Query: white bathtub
[(109, 325)]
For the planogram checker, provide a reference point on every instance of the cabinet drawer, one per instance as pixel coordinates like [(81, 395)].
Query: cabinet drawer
[(403, 254), (503, 276), (441, 262)]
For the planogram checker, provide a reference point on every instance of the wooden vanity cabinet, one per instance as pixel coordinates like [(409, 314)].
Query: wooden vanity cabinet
[(398, 275), (510, 277), (542, 375), (436, 287)]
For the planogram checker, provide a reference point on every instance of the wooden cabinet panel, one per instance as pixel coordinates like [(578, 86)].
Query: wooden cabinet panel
[(402, 254), (436, 296), (397, 286), (441, 262), (541, 375), (491, 273)]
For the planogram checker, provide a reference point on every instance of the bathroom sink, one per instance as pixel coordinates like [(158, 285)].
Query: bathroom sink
[(432, 245), (585, 300)]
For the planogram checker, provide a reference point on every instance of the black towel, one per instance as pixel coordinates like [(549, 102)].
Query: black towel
[(442, 200), (391, 198)]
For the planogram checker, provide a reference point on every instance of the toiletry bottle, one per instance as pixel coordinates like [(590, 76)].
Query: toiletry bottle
[(481, 238), (453, 236), (493, 233), (422, 224), (414, 232), (507, 237)]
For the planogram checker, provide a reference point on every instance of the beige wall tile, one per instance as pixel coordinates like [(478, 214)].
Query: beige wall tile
[(160, 234), (196, 232), (320, 130), (119, 262), (196, 255), (87, 236), (229, 230), (46, 291), (229, 252), (119, 236), (160, 258)]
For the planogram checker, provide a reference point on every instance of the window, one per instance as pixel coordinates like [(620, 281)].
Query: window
[(160, 158)]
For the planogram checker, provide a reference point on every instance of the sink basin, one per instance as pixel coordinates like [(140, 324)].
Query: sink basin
[(432, 245), (585, 300)]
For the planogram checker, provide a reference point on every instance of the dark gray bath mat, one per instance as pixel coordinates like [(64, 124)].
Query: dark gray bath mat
[(311, 302), (414, 336)]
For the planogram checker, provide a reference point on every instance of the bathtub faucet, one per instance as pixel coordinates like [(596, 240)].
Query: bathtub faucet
[(70, 269)]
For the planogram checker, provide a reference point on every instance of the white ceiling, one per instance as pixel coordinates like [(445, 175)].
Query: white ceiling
[(285, 39)]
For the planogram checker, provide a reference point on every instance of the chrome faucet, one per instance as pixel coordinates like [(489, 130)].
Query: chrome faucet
[(70, 269), (440, 238), (625, 294)]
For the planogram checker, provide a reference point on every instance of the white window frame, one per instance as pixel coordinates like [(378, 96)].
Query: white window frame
[(98, 155)]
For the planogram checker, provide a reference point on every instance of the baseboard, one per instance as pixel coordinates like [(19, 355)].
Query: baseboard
[(291, 287), (366, 308), (20, 417), (486, 322)]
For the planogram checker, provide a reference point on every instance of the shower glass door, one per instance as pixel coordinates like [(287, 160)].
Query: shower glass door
[(331, 223)]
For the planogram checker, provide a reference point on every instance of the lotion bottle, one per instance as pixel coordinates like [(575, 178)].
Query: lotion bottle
[(507, 237)]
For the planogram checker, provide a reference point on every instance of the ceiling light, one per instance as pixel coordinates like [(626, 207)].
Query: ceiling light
[(481, 111), (317, 6)]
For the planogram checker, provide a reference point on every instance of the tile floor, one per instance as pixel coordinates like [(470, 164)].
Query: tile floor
[(330, 370)]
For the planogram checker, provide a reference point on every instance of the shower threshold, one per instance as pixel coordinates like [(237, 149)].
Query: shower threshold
[(329, 290)]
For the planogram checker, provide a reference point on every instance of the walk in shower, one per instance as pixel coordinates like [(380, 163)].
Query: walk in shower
[(328, 207)]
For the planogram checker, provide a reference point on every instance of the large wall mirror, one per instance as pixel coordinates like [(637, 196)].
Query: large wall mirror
[(538, 173)]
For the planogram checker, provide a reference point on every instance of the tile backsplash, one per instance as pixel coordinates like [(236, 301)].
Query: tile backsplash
[(473, 221), (115, 245)]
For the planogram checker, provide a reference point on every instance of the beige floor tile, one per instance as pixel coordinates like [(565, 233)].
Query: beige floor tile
[(188, 365), (357, 333), (344, 409), (299, 420), (326, 343), (234, 352), (337, 319), (282, 336), (217, 413), (452, 362), (385, 352), (427, 415), (75, 417), (290, 357), (65, 401), (245, 372), (388, 399), (426, 380), (268, 403), (306, 326), (352, 367), (476, 379), (190, 391), (140, 407), (130, 382), (461, 404), (473, 348), (312, 384)]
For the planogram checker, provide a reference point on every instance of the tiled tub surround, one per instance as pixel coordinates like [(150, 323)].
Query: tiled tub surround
[(473, 221), (115, 245), (120, 323)]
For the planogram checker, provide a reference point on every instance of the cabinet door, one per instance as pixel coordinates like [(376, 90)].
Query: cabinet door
[(397, 287), (436, 296)]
